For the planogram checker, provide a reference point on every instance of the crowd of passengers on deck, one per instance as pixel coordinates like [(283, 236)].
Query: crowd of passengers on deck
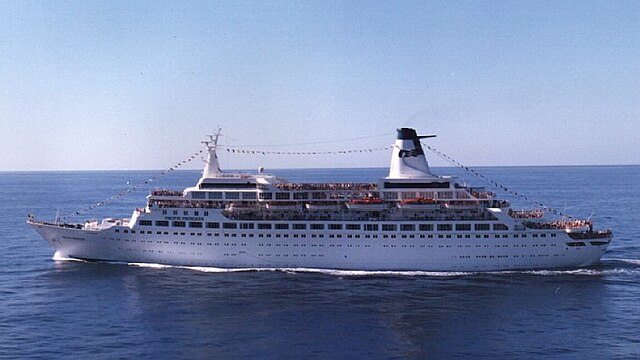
[(526, 214), (326, 186), (165, 192), (559, 224), (185, 204), (358, 216)]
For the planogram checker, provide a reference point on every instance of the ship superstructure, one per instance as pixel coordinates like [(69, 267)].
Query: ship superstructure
[(409, 220)]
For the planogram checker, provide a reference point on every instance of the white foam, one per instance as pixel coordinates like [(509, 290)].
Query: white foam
[(334, 272), (57, 256), (150, 265), (364, 273), (629, 261)]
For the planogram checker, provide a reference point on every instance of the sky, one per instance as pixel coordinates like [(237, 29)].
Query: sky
[(118, 85)]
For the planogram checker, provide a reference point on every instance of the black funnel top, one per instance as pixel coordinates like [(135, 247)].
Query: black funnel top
[(410, 134), (407, 134)]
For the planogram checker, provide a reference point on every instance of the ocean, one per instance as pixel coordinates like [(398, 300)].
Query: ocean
[(71, 309)]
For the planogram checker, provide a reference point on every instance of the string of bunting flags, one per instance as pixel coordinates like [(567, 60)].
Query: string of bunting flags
[(191, 157), (495, 183), (338, 152), (134, 187), (144, 183)]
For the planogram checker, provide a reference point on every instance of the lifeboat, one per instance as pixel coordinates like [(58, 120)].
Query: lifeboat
[(282, 206), (322, 205), (240, 207), (461, 205), (527, 214), (419, 204), (366, 204)]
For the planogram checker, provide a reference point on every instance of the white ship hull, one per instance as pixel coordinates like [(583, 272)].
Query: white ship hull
[(237, 249), (261, 221)]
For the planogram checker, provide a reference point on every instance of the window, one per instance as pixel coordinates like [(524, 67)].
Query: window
[(426, 227), (162, 223), (390, 195), (282, 226), (445, 227), (213, 225), (407, 227), (463, 227), (246, 185), (179, 224), (249, 196), (299, 226), (246, 226), (300, 196), (371, 227), (481, 227), (335, 226), (195, 224), (389, 227), (145, 222), (317, 226), (500, 227), (282, 196), (264, 226), (229, 225), (353, 226), (429, 185), (265, 196), (198, 195), (215, 195), (232, 195)]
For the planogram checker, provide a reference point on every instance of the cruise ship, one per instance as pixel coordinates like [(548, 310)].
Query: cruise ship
[(409, 220)]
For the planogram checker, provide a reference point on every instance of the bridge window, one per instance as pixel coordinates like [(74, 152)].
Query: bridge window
[(232, 195), (249, 196), (198, 195), (216, 195)]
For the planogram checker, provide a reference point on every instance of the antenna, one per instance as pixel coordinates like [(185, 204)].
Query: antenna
[(212, 143)]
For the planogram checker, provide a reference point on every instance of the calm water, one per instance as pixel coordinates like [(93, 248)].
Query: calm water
[(66, 309)]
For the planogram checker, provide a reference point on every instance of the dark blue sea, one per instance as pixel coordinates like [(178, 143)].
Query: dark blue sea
[(66, 309)]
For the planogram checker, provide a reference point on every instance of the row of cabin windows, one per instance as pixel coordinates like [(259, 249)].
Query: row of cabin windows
[(296, 196), (236, 195), (231, 195), (357, 236), (186, 213), (367, 227)]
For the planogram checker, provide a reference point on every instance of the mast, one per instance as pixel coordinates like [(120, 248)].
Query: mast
[(212, 167)]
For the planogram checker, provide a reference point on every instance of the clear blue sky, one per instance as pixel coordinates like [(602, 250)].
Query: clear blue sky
[(135, 84)]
